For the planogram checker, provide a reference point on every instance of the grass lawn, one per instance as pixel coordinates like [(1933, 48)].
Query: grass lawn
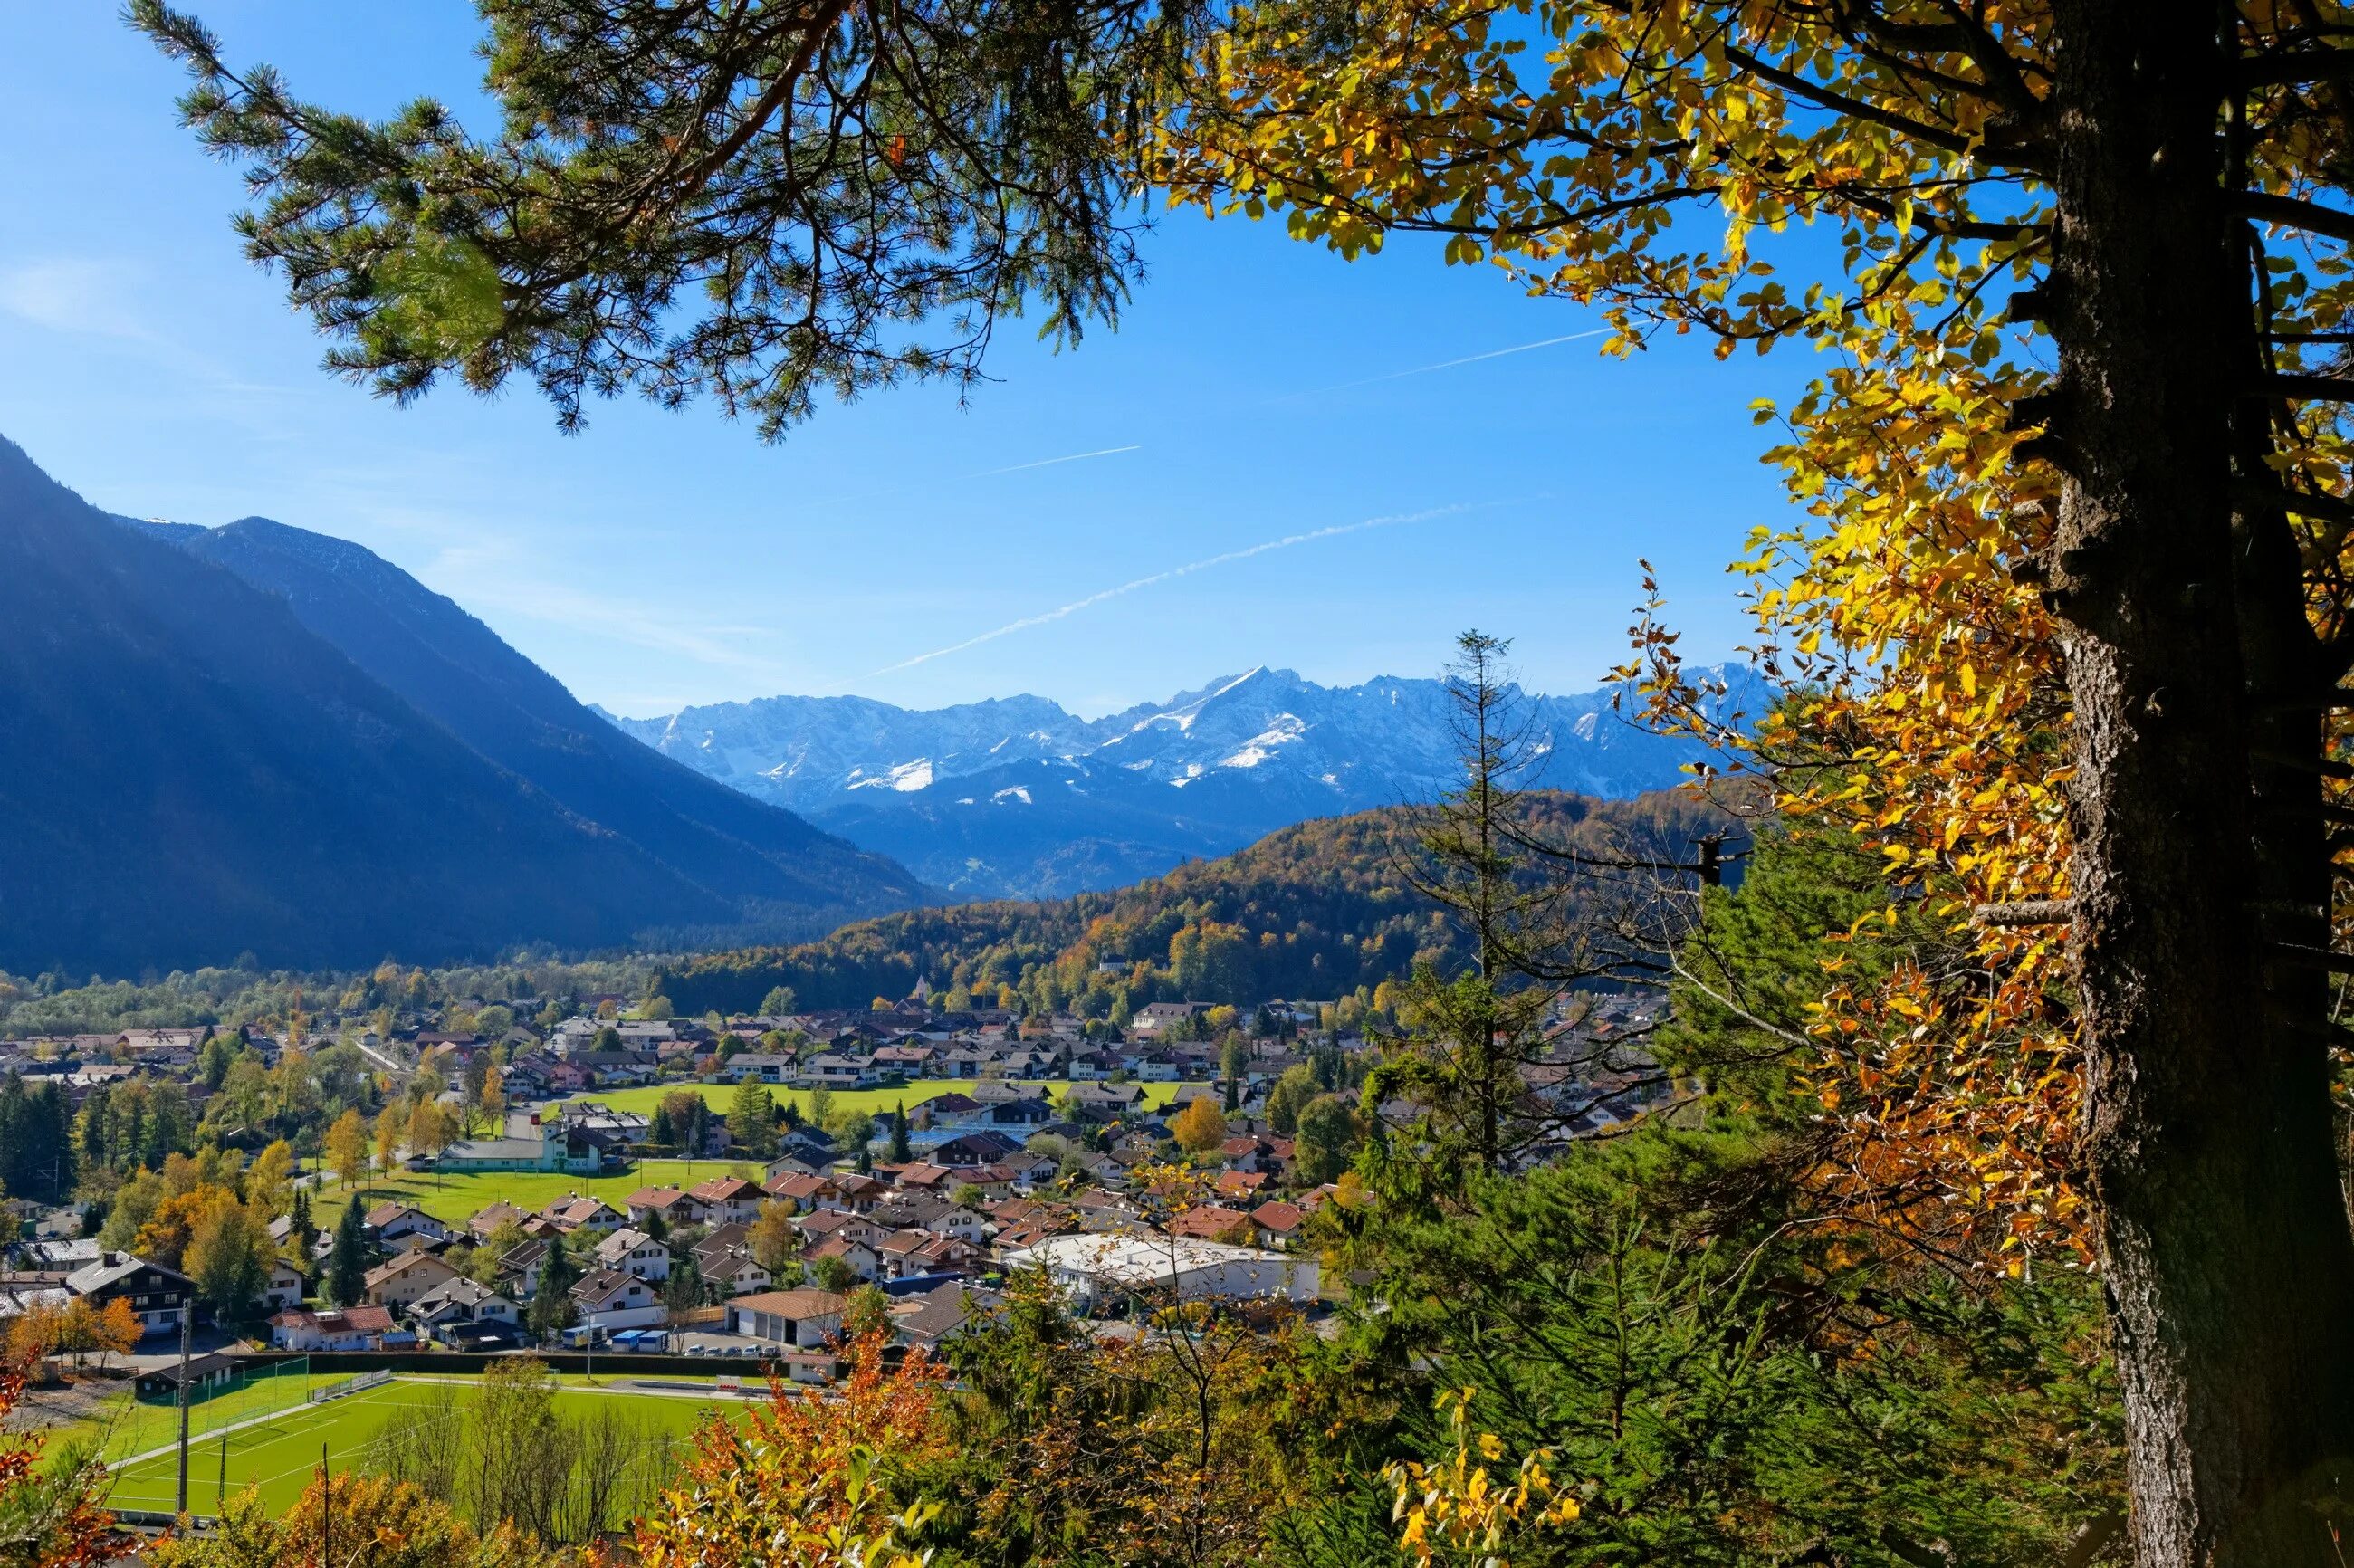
[(875, 1102), (451, 1198), (282, 1454)]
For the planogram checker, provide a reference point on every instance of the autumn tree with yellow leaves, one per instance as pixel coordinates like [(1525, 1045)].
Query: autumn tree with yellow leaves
[(2069, 601), (1462, 1508), (1200, 1128), (346, 1147)]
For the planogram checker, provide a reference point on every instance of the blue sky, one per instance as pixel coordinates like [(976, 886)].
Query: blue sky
[(1252, 395)]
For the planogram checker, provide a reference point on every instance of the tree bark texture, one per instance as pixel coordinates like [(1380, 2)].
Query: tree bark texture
[(2200, 846)]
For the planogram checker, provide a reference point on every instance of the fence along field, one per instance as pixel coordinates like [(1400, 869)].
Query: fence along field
[(579, 1459), (129, 1427)]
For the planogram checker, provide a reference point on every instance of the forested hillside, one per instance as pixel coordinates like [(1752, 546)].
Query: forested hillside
[(1313, 911)]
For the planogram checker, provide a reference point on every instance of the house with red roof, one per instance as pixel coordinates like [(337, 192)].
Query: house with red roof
[(1240, 1184), (1212, 1222), (863, 1260), (1279, 1223), (348, 1328), (729, 1200)]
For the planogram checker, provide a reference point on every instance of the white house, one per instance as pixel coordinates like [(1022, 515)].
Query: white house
[(519, 1267), (400, 1283), (610, 1300), (392, 1221), (936, 1215), (760, 1066), (668, 1204), (837, 1071), (464, 1302), (574, 1213), (636, 1252), (736, 1272), (730, 1200), (285, 1288)]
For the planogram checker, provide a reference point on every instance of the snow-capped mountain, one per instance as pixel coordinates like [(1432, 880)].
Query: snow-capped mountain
[(1017, 796)]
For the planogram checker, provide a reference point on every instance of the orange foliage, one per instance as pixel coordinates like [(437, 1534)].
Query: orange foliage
[(352, 1522), (118, 1329), (1201, 1127), (164, 1237), (803, 1481)]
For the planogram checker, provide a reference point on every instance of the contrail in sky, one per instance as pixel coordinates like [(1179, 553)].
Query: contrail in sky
[(1049, 463), (1186, 570), (1448, 363)]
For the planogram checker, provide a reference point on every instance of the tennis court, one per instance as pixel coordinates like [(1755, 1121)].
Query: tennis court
[(279, 1447)]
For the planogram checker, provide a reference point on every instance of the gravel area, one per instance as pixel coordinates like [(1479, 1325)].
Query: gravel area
[(62, 1404)]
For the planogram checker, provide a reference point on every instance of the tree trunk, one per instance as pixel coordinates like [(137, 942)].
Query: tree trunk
[(2199, 840)]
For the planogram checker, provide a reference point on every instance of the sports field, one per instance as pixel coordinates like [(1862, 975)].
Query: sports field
[(279, 1450)]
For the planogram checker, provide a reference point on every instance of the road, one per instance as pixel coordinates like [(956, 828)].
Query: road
[(387, 1063)]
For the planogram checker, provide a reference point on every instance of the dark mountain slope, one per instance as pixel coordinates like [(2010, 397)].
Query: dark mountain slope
[(457, 670), (187, 773)]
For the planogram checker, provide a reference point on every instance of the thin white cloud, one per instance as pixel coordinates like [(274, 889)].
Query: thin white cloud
[(1050, 463), (905, 487), (486, 577), (72, 296), (1445, 363), (1132, 585)]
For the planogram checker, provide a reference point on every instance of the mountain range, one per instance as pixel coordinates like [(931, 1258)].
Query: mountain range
[(1018, 798), (257, 739)]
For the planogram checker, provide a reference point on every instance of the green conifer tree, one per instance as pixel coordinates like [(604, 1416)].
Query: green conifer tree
[(348, 1264), (751, 1119), (552, 1308)]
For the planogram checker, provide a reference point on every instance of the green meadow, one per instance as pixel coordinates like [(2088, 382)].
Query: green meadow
[(451, 1198), (283, 1449), (874, 1102), (454, 1197)]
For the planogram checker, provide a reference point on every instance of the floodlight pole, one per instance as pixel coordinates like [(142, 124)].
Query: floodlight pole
[(187, 1328)]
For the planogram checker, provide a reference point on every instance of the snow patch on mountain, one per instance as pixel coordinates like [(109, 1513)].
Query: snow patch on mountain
[(1263, 745), (903, 776)]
